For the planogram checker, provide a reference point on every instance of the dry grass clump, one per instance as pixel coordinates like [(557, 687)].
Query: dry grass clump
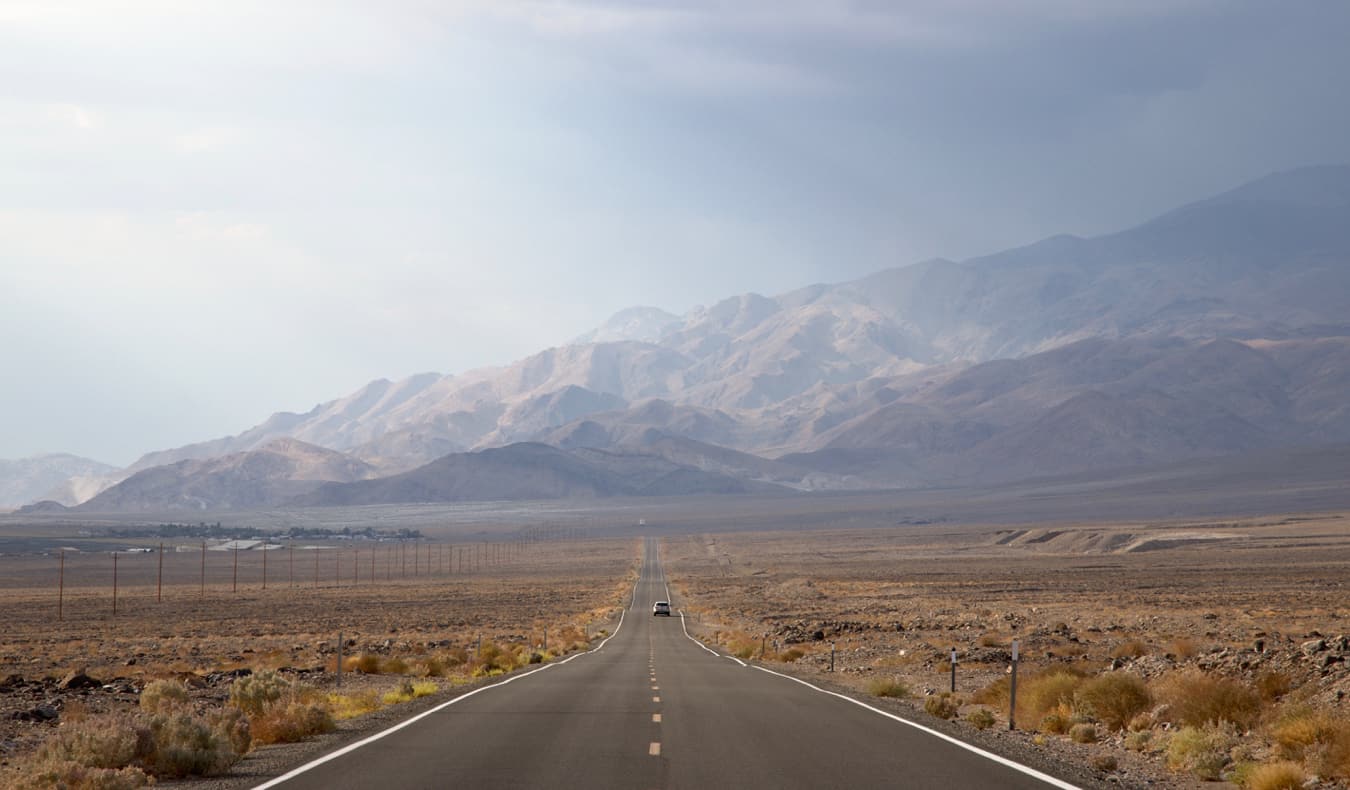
[(570, 639), (888, 687), (1113, 698), (1202, 752), (1104, 762), (349, 706), (1084, 732), (790, 655), (980, 718), (279, 710), (1317, 737), (1195, 699), (1140, 741), (366, 664), (1133, 648), (408, 691), (1281, 775), (1273, 685), (944, 705), (1183, 648), (291, 721), (1044, 697), (493, 659)]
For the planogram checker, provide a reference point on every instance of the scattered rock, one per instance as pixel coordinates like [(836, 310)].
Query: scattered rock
[(79, 680)]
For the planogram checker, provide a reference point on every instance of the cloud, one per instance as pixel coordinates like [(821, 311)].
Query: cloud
[(205, 140), (71, 115)]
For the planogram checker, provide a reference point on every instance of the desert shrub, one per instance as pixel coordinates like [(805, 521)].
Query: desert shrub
[(279, 711), (394, 666), (187, 745), (1056, 722), (1183, 648), (1139, 741), (1104, 762), (790, 655), (70, 775), (980, 718), (493, 660), (120, 749), (291, 721), (888, 687), (366, 664), (1083, 733), (1142, 721), (1039, 695), (344, 706), (1317, 737), (570, 639), (943, 706), (163, 696), (991, 640), (432, 667), (1133, 648), (1113, 698), (112, 741), (1195, 699), (1201, 751), (254, 693), (1281, 775), (233, 726), (1273, 685)]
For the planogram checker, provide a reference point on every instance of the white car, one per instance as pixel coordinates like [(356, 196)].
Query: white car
[(661, 607)]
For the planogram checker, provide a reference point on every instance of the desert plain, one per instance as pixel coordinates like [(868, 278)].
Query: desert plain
[(870, 608)]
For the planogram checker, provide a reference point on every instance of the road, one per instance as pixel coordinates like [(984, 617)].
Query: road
[(652, 708)]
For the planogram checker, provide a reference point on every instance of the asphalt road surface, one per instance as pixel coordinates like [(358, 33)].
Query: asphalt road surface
[(652, 708)]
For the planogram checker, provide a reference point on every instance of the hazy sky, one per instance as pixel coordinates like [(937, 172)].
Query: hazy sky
[(210, 215)]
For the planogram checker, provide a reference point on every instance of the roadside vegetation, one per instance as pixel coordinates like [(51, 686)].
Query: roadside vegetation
[(1145, 668)]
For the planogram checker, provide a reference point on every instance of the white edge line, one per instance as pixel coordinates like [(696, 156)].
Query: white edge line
[(705, 647), (372, 738), (1048, 779)]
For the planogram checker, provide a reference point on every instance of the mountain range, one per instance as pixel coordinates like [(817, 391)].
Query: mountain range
[(1215, 329)]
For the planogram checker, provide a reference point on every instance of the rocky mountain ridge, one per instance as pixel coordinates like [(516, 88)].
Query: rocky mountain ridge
[(1216, 328)]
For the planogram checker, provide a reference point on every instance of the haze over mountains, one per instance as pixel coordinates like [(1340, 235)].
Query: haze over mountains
[(1218, 328)]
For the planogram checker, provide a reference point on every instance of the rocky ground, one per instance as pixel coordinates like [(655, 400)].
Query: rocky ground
[(1252, 599), (92, 661)]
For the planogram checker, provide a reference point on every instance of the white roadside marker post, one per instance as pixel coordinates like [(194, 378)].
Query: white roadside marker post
[(953, 670), (1012, 690)]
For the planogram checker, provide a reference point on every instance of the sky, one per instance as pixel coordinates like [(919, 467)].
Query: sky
[(213, 211)]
